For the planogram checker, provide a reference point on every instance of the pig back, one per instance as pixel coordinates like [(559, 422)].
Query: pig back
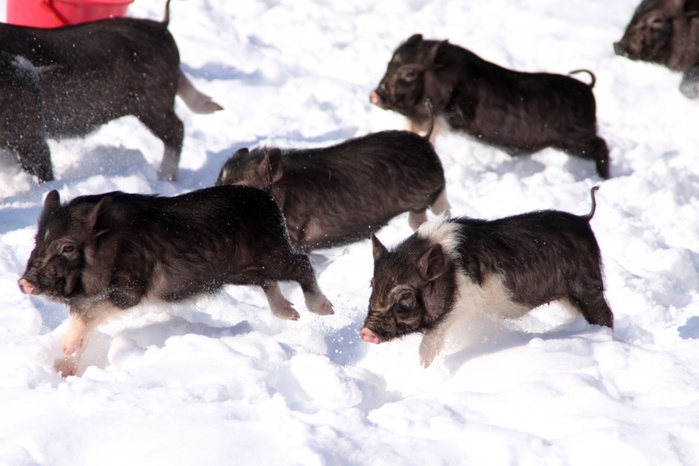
[(343, 193), (194, 243), (94, 72)]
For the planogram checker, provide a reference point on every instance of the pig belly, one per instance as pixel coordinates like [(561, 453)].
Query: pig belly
[(492, 297)]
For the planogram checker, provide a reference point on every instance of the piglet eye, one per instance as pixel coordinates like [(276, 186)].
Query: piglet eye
[(409, 75), (67, 249), (405, 296)]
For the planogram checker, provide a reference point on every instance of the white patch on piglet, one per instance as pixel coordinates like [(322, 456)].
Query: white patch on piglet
[(471, 300), (447, 234)]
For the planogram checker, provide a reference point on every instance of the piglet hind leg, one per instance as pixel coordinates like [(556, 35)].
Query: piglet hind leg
[(284, 264), (592, 305), (441, 205), (317, 303), (415, 219), (594, 149), (35, 158), (169, 129), (300, 270), (278, 304)]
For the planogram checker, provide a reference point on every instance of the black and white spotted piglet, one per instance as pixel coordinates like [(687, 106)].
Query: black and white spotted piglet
[(449, 269)]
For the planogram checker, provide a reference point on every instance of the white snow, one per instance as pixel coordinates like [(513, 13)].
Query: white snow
[(221, 381)]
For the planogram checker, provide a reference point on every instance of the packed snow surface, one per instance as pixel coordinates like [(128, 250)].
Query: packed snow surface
[(220, 381)]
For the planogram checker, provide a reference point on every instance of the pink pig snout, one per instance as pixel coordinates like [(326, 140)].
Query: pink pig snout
[(25, 286), (369, 336)]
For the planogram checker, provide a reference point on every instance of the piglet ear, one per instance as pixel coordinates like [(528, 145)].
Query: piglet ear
[(432, 264), (414, 39), (101, 217), (274, 157), (379, 249), (52, 201), (436, 53), (241, 152)]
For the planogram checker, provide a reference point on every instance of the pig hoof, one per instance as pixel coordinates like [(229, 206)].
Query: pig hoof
[(70, 348), (427, 358), (210, 107), (320, 305), (72, 345), (66, 366), (286, 311)]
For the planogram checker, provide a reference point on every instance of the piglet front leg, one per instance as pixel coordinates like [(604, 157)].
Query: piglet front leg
[(73, 345), (82, 323), (431, 345)]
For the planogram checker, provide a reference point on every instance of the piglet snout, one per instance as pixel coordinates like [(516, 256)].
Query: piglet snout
[(621, 49), (25, 286), (375, 98), (369, 336)]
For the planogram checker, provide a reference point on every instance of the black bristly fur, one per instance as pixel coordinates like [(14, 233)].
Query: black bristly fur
[(520, 113), (107, 253), (343, 193), (90, 74), (126, 247)]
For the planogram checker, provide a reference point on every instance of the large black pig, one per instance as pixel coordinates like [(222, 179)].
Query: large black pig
[(666, 32), (343, 193), (107, 253), (451, 269), (93, 73), (520, 113)]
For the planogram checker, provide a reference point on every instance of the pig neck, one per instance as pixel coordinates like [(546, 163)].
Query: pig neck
[(439, 297), (684, 45)]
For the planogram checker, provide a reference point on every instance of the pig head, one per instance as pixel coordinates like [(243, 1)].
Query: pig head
[(259, 169), (665, 32), (70, 262), (412, 290), (416, 74)]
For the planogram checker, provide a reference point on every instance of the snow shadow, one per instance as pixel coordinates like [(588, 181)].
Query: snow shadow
[(15, 218), (157, 333), (52, 313), (220, 71), (131, 343), (345, 347), (108, 161), (690, 329), (490, 335), (192, 179)]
